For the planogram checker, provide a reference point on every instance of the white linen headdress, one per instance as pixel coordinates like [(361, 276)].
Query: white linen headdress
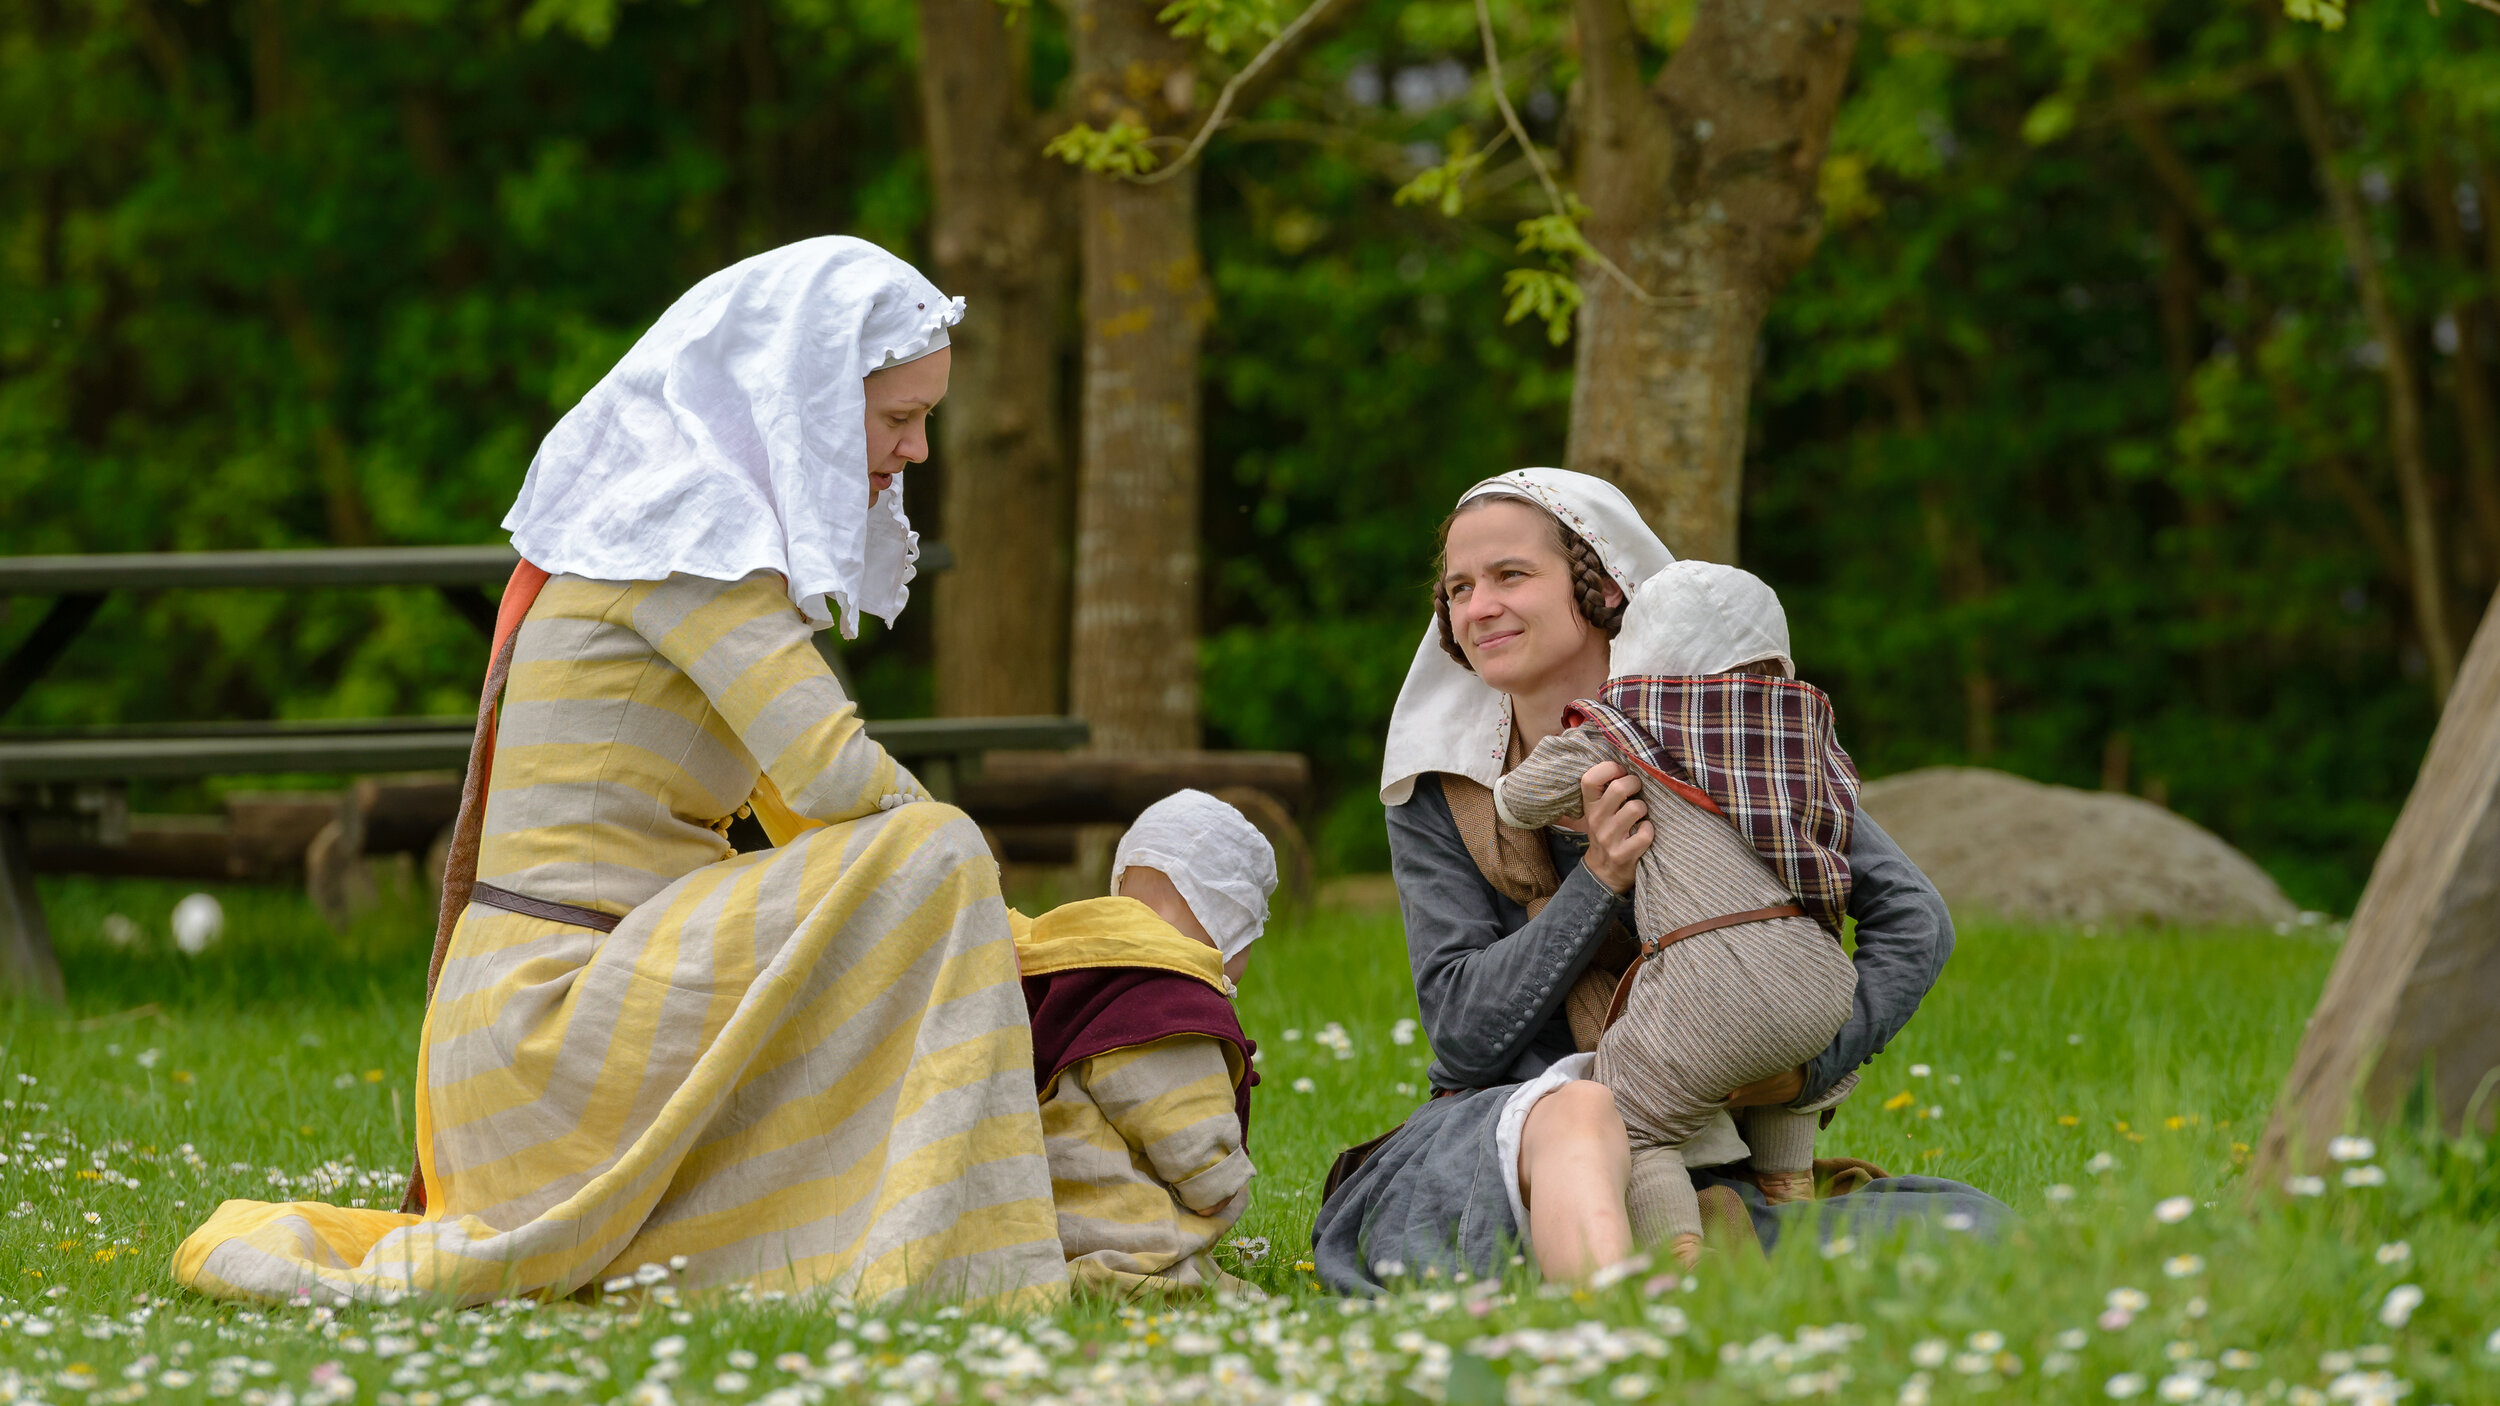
[(1224, 868), (733, 437), (1446, 718), (1699, 617)]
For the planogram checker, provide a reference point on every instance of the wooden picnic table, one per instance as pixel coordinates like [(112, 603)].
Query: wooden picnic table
[(38, 768)]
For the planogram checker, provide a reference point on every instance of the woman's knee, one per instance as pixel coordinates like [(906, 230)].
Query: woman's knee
[(1578, 1112), (944, 832)]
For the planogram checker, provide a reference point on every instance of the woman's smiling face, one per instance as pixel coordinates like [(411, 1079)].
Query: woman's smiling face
[(1510, 592), (899, 401)]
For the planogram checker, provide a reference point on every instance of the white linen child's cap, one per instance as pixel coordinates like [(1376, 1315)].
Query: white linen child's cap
[(1219, 861), (1699, 617)]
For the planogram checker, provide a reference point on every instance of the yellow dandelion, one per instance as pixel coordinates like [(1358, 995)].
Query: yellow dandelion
[(2067, 1120), (2122, 1125), (2174, 1122), (1900, 1101), (184, 1076), (373, 1076), (66, 1245)]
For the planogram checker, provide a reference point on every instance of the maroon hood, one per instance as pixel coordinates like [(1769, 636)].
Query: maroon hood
[(1080, 1013)]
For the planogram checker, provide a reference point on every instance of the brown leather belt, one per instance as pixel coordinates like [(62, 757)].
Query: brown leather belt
[(1623, 988), (490, 896)]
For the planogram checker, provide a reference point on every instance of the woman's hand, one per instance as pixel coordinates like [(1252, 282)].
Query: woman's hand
[(1778, 1089), (1618, 824)]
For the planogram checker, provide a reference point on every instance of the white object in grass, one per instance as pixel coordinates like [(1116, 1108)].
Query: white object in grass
[(120, 931), (2397, 1309), (2351, 1149), (199, 920), (2173, 1210), (2124, 1385)]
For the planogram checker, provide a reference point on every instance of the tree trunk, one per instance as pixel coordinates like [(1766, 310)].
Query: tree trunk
[(1000, 242), (2478, 423), (1133, 667), (1701, 187), (2404, 404)]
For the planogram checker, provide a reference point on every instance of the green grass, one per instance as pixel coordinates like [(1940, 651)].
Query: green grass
[(173, 1082)]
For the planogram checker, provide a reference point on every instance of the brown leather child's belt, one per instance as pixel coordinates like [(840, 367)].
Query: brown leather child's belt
[(487, 895), (1623, 988)]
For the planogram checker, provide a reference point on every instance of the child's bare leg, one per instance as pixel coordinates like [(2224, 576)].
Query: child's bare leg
[(1664, 1207), (1783, 1152), (1574, 1164)]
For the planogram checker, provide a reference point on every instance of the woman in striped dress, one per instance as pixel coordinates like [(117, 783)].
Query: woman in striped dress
[(805, 1068)]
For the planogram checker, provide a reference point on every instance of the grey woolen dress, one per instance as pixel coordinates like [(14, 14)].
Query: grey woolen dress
[(1491, 982)]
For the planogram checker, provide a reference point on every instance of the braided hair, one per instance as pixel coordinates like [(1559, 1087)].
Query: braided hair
[(1589, 577)]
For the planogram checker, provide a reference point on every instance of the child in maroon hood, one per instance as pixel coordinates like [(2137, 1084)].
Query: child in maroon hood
[(1142, 1067)]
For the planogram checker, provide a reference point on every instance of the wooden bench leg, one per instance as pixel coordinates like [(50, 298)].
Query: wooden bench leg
[(26, 960)]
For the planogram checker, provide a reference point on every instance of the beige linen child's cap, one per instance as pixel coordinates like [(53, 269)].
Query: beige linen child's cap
[(1219, 861), (1699, 617)]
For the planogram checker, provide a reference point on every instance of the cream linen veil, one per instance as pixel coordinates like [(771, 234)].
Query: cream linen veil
[(733, 439), (1449, 720)]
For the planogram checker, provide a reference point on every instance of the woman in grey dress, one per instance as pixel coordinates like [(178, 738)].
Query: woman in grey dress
[(1517, 1148)]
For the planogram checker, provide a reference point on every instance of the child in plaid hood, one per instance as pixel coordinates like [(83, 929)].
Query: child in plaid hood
[(1740, 897)]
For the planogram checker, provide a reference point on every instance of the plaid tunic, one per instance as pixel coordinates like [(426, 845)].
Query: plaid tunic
[(1760, 751)]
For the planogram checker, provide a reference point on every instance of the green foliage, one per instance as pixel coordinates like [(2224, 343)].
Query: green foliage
[(2047, 477), (1222, 25), (2325, 14), (285, 276), (1119, 151), (1445, 185), (1550, 297)]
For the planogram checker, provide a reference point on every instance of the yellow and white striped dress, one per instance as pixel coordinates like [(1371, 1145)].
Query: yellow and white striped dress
[(808, 1067)]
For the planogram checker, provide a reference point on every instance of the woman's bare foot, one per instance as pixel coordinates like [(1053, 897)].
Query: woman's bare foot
[(1780, 1188)]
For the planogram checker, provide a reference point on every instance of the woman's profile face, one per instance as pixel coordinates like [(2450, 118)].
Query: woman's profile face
[(1510, 592), (899, 401)]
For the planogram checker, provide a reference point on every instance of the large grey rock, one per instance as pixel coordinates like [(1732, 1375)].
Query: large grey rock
[(1996, 843)]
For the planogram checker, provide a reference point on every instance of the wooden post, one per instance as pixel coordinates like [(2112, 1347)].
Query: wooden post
[(26, 960), (2416, 991)]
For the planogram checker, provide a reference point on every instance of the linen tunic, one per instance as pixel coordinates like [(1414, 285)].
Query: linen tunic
[(807, 1067), (1715, 1011), (1149, 1159)]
